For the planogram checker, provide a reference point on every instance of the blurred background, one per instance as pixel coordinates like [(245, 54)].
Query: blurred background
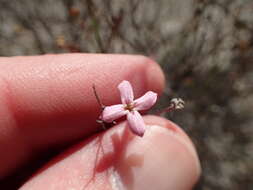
[(205, 47)]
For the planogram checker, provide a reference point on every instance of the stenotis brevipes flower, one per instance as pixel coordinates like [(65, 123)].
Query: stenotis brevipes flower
[(130, 108)]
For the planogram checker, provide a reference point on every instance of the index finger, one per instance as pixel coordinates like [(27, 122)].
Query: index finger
[(48, 100)]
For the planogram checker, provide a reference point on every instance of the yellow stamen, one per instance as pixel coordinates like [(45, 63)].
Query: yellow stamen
[(129, 107)]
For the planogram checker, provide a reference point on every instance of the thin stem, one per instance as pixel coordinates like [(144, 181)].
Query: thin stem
[(175, 104), (97, 97), (168, 109)]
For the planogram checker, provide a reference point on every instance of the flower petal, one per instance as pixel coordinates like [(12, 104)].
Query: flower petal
[(136, 123), (126, 92), (111, 113), (146, 101)]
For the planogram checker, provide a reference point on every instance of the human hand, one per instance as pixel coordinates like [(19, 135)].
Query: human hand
[(47, 102)]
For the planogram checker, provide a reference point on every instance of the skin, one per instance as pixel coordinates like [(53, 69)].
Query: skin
[(47, 102)]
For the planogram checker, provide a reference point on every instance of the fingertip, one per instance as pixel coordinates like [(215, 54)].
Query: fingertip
[(117, 159), (164, 146), (155, 76), (178, 131)]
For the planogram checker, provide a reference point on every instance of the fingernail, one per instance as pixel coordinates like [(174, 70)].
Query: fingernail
[(161, 159)]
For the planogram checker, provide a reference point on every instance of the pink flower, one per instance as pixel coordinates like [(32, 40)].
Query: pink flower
[(130, 108)]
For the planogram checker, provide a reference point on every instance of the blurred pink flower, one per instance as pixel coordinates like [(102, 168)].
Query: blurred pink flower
[(130, 108)]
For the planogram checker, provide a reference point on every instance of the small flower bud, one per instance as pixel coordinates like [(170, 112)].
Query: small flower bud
[(178, 103)]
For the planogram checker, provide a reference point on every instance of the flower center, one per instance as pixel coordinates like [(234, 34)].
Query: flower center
[(129, 107)]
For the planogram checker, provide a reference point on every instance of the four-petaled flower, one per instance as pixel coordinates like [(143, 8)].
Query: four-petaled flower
[(130, 108)]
